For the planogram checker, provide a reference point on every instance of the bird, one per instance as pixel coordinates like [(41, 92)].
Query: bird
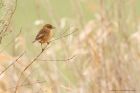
[(44, 35)]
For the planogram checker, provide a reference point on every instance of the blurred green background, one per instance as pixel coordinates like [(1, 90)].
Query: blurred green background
[(105, 47)]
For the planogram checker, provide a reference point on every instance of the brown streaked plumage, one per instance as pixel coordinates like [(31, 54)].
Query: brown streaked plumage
[(44, 34)]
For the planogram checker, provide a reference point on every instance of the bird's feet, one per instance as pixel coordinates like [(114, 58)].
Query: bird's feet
[(48, 43), (42, 49)]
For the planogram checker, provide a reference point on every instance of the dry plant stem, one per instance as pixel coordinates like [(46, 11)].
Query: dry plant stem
[(62, 36), (10, 41), (28, 84), (9, 20), (104, 70), (12, 63), (59, 59), (28, 67), (125, 90), (26, 78), (36, 59)]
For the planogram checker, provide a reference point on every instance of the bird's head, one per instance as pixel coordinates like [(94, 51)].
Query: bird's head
[(48, 26)]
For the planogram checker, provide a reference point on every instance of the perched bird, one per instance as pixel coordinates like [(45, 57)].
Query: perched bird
[(44, 34)]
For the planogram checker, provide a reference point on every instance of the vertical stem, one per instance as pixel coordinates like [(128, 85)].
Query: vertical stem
[(104, 69)]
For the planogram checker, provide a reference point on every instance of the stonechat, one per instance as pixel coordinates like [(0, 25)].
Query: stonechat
[(45, 34)]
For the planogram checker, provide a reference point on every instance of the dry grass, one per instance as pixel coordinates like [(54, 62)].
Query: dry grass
[(106, 50)]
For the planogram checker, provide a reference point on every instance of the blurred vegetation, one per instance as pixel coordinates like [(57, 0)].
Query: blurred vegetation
[(102, 56)]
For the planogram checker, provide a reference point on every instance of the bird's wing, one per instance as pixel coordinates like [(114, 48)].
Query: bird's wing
[(40, 35)]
